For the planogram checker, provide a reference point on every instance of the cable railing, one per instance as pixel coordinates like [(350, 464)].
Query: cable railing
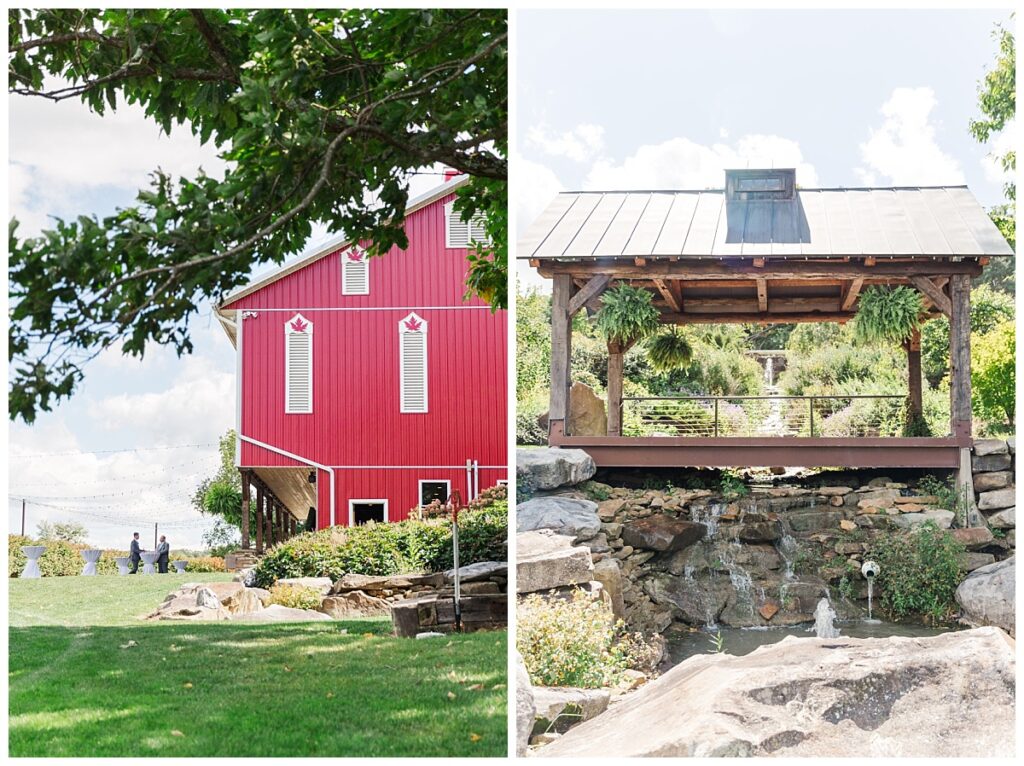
[(879, 415)]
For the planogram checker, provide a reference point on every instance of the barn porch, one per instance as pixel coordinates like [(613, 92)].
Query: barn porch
[(763, 251), (274, 502)]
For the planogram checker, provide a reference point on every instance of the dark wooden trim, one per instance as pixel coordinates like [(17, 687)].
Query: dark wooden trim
[(914, 387), (851, 295), (756, 318), (594, 287), (561, 347), (246, 481), (694, 269), (667, 294), (762, 295), (259, 519)]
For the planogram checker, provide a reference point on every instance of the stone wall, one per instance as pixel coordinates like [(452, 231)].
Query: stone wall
[(992, 465), (483, 601)]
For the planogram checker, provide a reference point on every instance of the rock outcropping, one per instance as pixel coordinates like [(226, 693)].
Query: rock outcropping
[(988, 596), (949, 695)]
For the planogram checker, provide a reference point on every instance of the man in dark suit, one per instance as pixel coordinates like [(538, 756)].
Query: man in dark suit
[(136, 553), (164, 551)]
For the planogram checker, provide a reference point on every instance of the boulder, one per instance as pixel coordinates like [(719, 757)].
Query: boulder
[(983, 482), (587, 415), (973, 561), (973, 538), (990, 447), (609, 574), (997, 499), (833, 491), (525, 708), (322, 584), (354, 604), (942, 518), (985, 463), (576, 518), (482, 571), (1011, 444), (245, 601), (839, 697), (191, 602), (986, 596), (662, 533), (1006, 519), (757, 531), (278, 613), (223, 590), (546, 560), (813, 520), (559, 707), (351, 582), (549, 468)]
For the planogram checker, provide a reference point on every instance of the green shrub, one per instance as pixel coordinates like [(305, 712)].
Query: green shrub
[(387, 549), (993, 380), (575, 642), (61, 559), (528, 430), (626, 314), (202, 563), (887, 314), (989, 308), (15, 558), (919, 572), (295, 596)]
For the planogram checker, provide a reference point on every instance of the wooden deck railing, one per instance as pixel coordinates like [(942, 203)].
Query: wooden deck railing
[(714, 416)]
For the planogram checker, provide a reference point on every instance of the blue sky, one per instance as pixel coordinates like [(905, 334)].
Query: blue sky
[(662, 99)]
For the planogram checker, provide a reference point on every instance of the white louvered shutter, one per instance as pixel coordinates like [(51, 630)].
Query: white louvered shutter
[(412, 363), (456, 230), (298, 365), (355, 273)]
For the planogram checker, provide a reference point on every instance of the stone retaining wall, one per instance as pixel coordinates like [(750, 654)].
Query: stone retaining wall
[(992, 466)]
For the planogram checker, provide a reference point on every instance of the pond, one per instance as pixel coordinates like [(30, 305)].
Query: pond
[(740, 641)]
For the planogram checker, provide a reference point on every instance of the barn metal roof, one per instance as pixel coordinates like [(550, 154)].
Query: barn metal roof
[(942, 221)]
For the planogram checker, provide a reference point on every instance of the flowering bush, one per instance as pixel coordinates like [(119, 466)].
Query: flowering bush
[(203, 563), (576, 642), (392, 548), (295, 596)]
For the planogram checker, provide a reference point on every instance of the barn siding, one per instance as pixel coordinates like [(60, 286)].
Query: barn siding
[(356, 419)]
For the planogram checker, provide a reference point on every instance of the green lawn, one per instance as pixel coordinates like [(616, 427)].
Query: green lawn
[(87, 677)]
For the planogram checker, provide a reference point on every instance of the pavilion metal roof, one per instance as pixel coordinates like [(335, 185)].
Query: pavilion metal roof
[(931, 221)]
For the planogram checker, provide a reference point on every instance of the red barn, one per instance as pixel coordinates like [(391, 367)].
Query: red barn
[(368, 386)]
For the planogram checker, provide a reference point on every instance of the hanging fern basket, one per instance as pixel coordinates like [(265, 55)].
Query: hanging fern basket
[(669, 351), (887, 314), (627, 315)]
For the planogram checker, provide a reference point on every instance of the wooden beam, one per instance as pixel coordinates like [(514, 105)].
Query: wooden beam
[(640, 261), (870, 261), (769, 318), (762, 294), (960, 356), (594, 287), (700, 269), (259, 519), (268, 528), (561, 349), (851, 294), (758, 263), (246, 481), (916, 405), (615, 354), (667, 294), (751, 305), (933, 293)]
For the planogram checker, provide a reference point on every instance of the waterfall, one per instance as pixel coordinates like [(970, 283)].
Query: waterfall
[(708, 516), (769, 372), (824, 620)]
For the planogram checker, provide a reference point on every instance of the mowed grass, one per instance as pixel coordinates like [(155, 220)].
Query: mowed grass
[(87, 677)]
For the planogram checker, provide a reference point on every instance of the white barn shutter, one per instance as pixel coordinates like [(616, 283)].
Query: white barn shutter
[(355, 272), (298, 365), (456, 230), (412, 363)]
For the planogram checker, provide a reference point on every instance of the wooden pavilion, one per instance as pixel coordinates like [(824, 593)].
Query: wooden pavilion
[(763, 250)]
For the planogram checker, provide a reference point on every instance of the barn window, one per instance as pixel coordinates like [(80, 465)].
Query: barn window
[(412, 363), (355, 272), (434, 489), (459, 233), (366, 511), (298, 365)]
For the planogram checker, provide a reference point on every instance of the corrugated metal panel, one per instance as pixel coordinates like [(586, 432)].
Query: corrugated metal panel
[(357, 418), (888, 221)]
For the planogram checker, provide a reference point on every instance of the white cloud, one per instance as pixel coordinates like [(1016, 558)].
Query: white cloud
[(197, 407), (582, 143), (904, 150), (535, 186), (680, 163), (1002, 143)]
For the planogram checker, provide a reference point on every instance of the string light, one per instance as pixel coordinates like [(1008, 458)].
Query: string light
[(111, 451)]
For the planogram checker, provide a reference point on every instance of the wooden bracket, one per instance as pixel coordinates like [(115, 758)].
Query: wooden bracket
[(594, 287), (934, 294)]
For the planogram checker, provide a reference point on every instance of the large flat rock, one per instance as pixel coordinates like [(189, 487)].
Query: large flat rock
[(943, 519), (566, 516), (546, 560), (278, 613), (987, 596), (550, 467), (997, 499), (662, 533), (819, 697)]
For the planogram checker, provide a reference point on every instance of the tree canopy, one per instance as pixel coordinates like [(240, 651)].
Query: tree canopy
[(320, 115)]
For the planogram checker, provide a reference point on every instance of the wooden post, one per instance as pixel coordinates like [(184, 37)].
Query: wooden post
[(615, 354), (259, 520), (916, 406), (268, 535), (561, 352), (272, 533), (960, 356), (23, 518), (245, 508)]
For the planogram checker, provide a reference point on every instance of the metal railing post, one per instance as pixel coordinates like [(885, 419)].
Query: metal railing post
[(810, 402), (716, 416)]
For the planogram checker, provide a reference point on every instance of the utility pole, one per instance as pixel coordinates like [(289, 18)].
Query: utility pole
[(155, 526), (23, 517)]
